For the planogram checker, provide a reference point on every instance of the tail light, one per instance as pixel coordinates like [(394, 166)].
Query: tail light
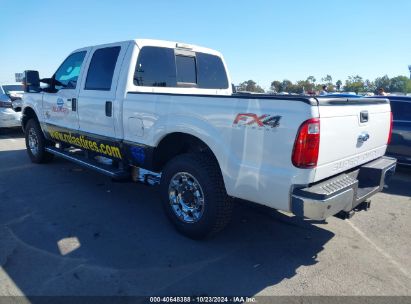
[(5, 104), (307, 144), (390, 133)]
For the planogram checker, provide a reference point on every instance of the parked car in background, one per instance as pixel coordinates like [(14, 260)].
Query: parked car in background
[(14, 92), (10, 105), (400, 146)]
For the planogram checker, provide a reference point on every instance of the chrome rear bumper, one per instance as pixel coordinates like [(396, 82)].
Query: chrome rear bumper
[(343, 192)]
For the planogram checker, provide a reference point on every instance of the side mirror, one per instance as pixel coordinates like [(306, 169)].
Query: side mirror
[(31, 81)]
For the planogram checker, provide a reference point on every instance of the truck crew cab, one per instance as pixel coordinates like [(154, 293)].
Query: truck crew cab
[(165, 112)]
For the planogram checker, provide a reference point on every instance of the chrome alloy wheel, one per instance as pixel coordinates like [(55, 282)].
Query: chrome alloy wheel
[(33, 141), (186, 197)]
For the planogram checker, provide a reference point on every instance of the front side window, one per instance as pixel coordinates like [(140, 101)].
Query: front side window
[(67, 74), (101, 70), (155, 67)]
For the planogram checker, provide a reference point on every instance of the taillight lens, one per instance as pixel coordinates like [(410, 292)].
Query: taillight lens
[(390, 133), (5, 104), (307, 144)]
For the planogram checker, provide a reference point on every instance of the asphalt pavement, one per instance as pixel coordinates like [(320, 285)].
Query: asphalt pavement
[(65, 230)]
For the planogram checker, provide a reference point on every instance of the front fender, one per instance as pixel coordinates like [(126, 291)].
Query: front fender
[(33, 101)]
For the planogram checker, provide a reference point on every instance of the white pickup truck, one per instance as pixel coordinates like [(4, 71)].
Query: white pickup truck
[(165, 112)]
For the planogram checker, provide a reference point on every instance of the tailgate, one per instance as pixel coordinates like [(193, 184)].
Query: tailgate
[(353, 132)]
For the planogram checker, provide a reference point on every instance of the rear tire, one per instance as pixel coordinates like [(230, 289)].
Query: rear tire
[(194, 195), (36, 143)]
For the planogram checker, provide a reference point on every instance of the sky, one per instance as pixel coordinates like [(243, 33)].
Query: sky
[(262, 40)]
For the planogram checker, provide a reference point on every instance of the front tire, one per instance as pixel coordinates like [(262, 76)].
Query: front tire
[(194, 195), (36, 143)]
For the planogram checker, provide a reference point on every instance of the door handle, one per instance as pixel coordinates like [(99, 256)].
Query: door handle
[(109, 108), (73, 104)]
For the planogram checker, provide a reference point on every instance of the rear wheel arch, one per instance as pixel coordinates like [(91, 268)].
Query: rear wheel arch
[(176, 143)]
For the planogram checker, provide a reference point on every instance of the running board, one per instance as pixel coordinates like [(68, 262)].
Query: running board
[(106, 170)]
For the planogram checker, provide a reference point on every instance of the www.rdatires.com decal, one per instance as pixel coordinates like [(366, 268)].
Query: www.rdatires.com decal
[(85, 143)]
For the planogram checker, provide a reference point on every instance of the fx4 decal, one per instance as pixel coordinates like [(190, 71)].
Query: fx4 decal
[(265, 121)]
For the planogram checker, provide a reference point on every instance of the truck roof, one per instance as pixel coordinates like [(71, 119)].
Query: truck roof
[(163, 43), (174, 44)]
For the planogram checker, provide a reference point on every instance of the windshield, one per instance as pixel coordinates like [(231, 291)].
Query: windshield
[(16, 87)]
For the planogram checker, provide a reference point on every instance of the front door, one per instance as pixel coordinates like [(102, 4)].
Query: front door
[(60, 107)]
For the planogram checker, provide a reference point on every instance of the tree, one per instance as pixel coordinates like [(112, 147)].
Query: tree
[(328, 80), (408, 86), (369, 86), (383, 82), (399, 84), (286, 85), (338, 85), (250, 86), (355, 84), (304, 86), (311, 79), (275, 86)]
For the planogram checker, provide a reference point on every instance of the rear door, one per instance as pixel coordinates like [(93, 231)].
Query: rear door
[(98, 90), (353, 132)]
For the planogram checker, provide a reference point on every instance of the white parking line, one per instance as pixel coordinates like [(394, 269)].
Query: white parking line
[(381, 251)]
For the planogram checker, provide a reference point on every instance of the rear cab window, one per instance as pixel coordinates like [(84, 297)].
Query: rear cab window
[(186, 69), (212, 74), (176, 68), (155, 68)]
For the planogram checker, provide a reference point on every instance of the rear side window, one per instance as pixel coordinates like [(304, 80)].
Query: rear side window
[(166, 67), (155, 68), (211, 72), (401, 110), (101, 69)]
